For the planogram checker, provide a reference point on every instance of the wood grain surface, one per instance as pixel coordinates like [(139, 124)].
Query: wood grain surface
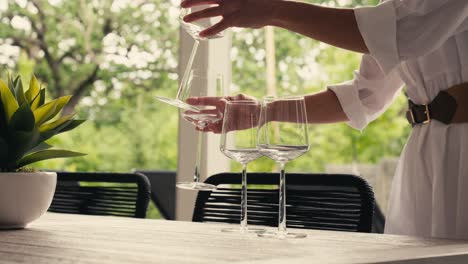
[(62, 238)]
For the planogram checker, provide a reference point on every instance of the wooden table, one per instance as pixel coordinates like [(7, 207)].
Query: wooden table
[(61, 238)]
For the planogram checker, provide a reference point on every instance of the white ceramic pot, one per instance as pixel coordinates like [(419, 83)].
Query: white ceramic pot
[(24, 197)]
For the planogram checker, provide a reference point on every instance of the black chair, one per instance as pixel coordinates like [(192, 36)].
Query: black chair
[(163, 190), (116, 194), (378, 222), (313, 201)]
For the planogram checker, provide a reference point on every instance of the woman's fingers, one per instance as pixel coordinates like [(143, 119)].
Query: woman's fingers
[(222, 25), (209, 12), (220, 104), (212, 112), (215, 128), (217, 100), (191, 3), (205, 100)]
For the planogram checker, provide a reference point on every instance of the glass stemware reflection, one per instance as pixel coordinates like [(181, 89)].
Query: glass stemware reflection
[(193, 29), (283, 136), (239, 143), (201, 119)]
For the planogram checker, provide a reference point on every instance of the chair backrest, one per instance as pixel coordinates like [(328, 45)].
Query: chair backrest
[(378, 222), (99, 193), (313, 201), (163, 190)]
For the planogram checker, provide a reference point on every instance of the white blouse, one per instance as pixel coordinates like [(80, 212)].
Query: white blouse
[(423, 44)]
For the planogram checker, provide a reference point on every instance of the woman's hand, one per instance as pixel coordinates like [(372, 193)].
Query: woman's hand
[(220, 105), (335, 26), (235, 13)]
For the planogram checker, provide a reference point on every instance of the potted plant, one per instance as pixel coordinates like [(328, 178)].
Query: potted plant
[(26, 122)]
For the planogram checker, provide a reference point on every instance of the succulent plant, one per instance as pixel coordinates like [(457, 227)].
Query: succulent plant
[(27, 121)]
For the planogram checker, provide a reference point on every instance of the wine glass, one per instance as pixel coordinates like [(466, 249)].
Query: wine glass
[(193, 28), (283, 136), (201, 119), (239, 142)]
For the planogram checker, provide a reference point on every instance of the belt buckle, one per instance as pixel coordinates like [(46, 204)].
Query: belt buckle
[(428, 116), (426, 112)]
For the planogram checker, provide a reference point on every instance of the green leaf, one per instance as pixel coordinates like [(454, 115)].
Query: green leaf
[(42, 97), (11, 83), (20, 142), (3, 150), (45, 112), (40, 147), (46, 134), (19, 91), (38, 100), (47, 154), (52, 125), (34, 89), (9, 102), (15, 82), (22, 119), (6, 163), (61, 102), (3, 120), (72, 125), (67, 126)]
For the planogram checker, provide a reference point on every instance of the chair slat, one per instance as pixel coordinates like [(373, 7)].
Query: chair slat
[(128, 194), (317, 201)]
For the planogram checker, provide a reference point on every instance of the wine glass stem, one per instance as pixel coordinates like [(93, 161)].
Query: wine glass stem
[(196, 175), (182, 93), (244, 198), (282, 201)]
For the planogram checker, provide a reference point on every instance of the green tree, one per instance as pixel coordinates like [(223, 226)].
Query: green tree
[(113, 56), (76, 43)]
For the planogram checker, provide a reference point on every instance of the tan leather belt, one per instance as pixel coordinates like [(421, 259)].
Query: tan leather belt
[(449, 106)]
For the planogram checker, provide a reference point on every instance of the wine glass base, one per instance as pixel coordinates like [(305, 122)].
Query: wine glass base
[(282, 235), (243, 230), (196, 186), (177, 103)]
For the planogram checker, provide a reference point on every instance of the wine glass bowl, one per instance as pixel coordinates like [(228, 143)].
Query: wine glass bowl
[(195, 27), (239, 143), (282, 137), (177, 103), (201, 118), (242, 156), (283, 153)]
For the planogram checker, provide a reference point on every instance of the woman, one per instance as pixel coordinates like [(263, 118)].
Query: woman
[(422, 44)]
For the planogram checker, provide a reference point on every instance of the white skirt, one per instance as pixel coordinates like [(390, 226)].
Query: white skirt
[(429, 195)]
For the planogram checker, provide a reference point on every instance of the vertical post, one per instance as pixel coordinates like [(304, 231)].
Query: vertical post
[(211, 54), (270, 51)]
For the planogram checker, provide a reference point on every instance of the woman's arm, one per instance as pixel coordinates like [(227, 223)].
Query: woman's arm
[(322, 107), (336, 26)]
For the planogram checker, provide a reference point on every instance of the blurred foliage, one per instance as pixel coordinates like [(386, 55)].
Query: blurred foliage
[(111, 55), (124, 43), (136, 57)]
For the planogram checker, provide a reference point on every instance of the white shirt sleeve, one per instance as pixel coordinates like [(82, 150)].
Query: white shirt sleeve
[(399, 30), (369, 94)]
